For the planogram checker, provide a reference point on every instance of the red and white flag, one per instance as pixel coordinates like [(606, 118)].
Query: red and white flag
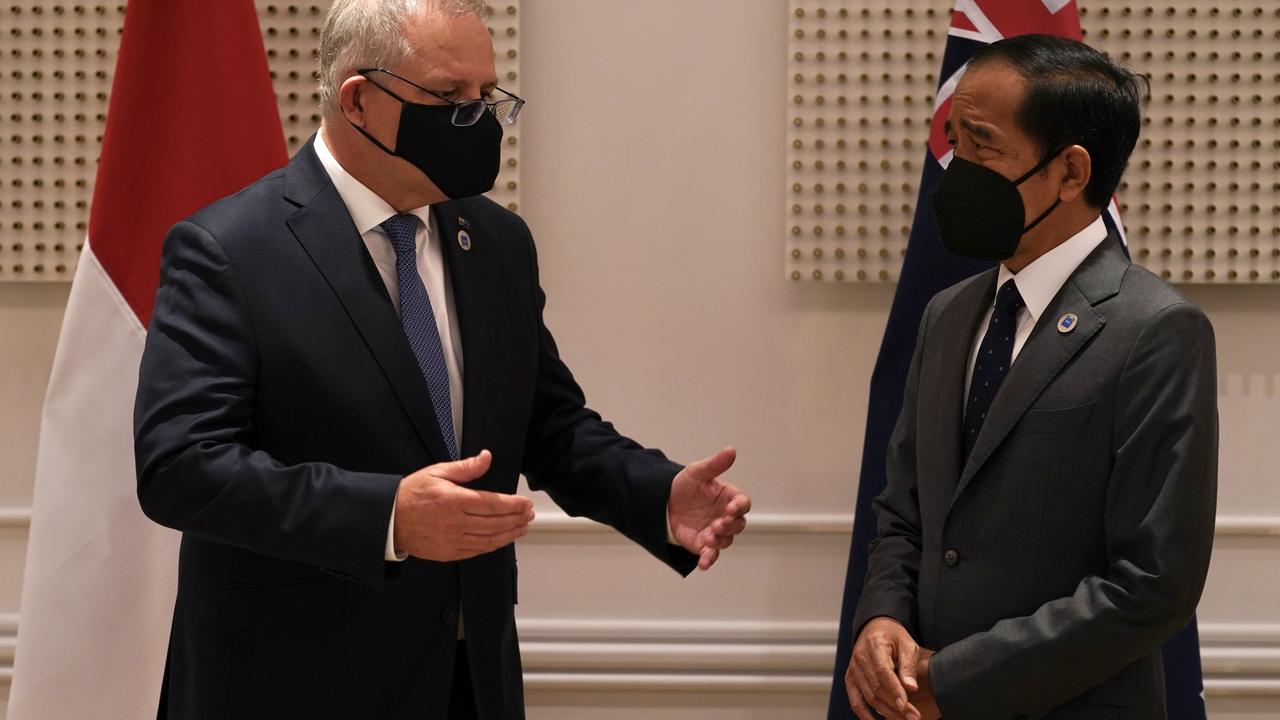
[(192, 118)]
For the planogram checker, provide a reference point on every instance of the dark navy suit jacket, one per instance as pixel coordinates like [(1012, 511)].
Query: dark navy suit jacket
[(278, 407)]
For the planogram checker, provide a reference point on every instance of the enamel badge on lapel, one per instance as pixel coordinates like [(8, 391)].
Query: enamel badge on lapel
[(1067, 323), (464, 237)]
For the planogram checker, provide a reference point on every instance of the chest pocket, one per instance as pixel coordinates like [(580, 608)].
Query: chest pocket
[(1055, 420)]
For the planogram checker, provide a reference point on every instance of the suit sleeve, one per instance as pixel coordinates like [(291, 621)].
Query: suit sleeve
[(893, 568), (1159, 522), (585, 465), (198, 471)]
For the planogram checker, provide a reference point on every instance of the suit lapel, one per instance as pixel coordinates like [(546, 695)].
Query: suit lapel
[(323, 227), (1048, 351), (958, 324), (469, 256)]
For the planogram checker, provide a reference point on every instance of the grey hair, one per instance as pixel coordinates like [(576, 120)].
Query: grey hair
[(370, 33)]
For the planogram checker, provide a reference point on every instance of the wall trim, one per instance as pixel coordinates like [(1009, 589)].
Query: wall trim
[(15, 517), (8, 644), (1240, 659), (554, 521)]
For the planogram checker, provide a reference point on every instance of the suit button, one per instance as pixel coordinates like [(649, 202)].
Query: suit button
[(449, 616), (951, 557)]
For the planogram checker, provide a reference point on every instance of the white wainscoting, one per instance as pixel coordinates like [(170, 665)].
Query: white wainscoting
[(1241, 659)]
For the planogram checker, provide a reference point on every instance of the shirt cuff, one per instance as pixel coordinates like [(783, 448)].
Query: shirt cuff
[(671, 537), (390, 554)]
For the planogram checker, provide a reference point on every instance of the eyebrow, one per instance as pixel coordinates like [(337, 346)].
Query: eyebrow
[(979, 131)]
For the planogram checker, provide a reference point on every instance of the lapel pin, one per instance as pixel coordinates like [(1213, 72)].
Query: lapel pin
[(1067, 323), (464, 240), (463, 223)]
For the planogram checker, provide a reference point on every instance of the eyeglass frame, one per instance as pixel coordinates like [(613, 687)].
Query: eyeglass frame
[(457, 106)]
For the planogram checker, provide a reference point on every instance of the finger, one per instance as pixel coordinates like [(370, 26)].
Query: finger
[(740, 505), (707, 557), (729, 526), (464, 470), (870, 657), (714, 466), (482, 502), (867, 687), (908, 656), (478, 545), (721, 542), (493, 524), (888, 689), (859, 706)]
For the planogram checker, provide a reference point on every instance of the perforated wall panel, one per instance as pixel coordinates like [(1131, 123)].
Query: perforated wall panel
[(1201, 199), (56, 63)]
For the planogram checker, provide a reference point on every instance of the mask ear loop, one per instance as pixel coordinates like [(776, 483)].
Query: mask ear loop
[(364, 132), (372, 139), (1043, 163)]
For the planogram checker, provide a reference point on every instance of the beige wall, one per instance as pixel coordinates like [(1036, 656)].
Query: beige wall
[(652, 170)]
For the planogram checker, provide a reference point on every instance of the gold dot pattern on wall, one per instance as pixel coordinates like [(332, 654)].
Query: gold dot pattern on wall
[(58, 58), (1200, 200)]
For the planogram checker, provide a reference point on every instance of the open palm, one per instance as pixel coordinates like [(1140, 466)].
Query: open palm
[(705, 512)]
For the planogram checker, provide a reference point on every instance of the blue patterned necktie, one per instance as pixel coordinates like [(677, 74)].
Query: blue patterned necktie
[(995, 355), (419, 322)]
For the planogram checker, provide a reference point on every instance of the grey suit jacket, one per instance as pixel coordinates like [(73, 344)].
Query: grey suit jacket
[(1048, 569)]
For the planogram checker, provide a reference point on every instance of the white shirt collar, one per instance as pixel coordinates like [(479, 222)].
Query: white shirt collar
[(368, 209), (1039, 282)]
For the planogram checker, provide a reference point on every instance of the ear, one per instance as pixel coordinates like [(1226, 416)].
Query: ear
[(350, 102), (1079, 170)]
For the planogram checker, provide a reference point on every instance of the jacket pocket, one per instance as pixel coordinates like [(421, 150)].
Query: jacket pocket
[(519, 348), (1055, 420)]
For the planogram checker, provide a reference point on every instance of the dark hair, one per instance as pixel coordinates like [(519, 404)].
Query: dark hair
[(1075, 96)]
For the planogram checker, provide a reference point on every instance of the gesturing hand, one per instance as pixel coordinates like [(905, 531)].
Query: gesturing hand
[(436, 519), (705, 512), (886, 666)]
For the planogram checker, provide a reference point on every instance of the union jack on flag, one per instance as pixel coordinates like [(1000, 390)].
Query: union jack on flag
[(929, 269)]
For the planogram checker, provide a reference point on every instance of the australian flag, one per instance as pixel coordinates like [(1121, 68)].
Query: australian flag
[(928, 269)]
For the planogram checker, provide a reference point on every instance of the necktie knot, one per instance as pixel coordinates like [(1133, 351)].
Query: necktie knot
[(402, 230), (1008, 300)]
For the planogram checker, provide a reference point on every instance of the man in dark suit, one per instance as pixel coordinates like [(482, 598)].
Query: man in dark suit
[(344, 488), (1049, 513)]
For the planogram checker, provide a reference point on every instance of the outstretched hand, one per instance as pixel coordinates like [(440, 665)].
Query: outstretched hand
[(705, 512), (439, 518)]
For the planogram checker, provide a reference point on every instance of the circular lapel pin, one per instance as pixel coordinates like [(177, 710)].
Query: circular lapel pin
[(1067, 323), (464, 240)]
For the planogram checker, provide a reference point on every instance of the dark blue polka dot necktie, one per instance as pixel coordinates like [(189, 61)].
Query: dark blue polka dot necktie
[(995, 355), (419, 321)]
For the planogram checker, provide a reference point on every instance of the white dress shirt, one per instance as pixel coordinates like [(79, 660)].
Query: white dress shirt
[(368, 211), (1038, 283)]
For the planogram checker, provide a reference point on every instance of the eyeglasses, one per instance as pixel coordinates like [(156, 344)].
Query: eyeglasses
[(464, 113)]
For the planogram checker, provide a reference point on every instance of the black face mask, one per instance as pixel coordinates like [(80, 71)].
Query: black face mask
[(980, 211), (461, 161)]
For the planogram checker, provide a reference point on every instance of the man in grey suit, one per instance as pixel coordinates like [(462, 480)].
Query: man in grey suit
[(1049, 513)]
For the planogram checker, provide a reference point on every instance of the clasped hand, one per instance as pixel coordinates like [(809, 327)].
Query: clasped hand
[(889, 673)]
